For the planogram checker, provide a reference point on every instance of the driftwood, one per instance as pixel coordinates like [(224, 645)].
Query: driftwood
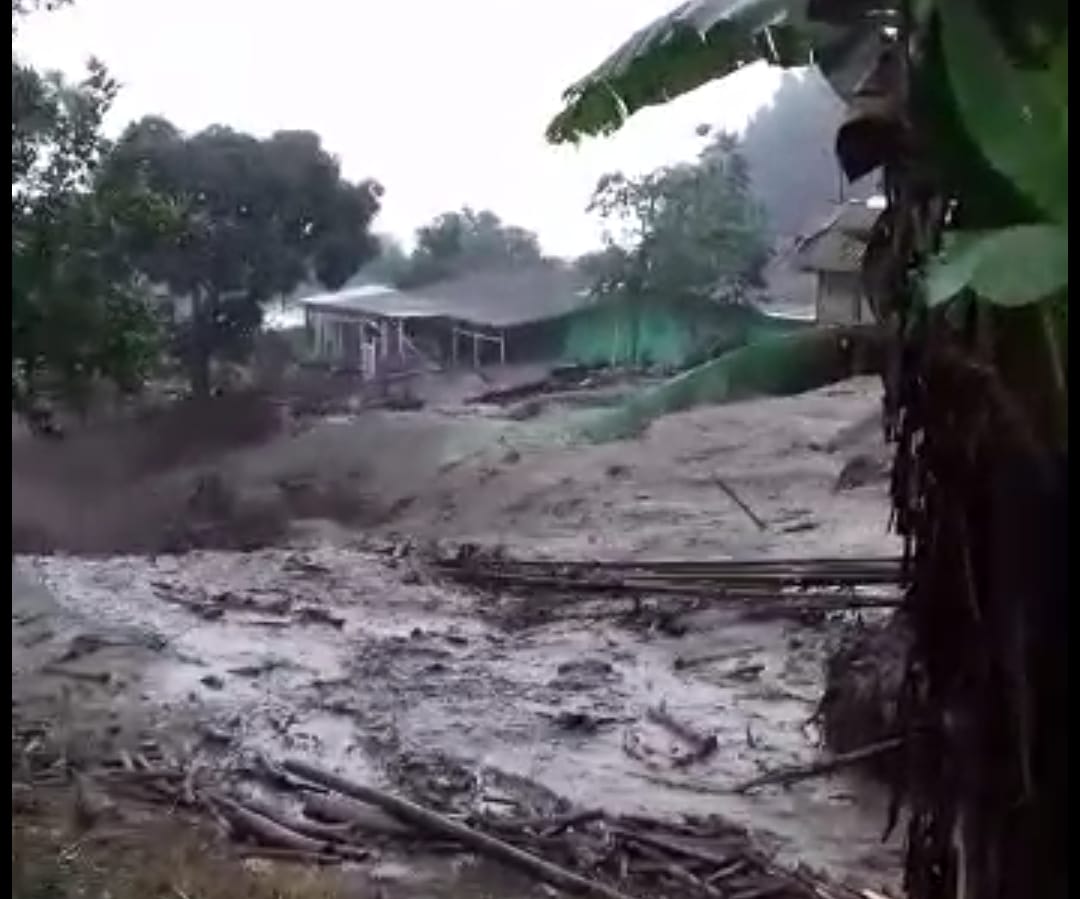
[(823, 766), (273, 833), (735, 498), (780, 585), (359, 815), (317, 830), (698, 857), (673, 845), (555, 827), (433, 822), (278, 854), (701, 745)]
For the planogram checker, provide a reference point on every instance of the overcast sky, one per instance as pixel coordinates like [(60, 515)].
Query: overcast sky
[(443, 102)]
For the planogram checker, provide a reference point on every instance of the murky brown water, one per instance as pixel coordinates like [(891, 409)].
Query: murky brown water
[(342, 656)]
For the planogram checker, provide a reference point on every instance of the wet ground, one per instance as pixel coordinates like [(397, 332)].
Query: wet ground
[(334, 649), (356, 660)]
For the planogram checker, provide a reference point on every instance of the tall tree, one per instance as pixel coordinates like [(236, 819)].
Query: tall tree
[(258, 218), (79, 313), (691, 229), (466, 240)]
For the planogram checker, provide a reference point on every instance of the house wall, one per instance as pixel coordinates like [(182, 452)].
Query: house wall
[(667, 333), (345, 342), (840, 299)]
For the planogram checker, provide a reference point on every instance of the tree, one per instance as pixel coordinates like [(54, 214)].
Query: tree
[(963, 106), (388, 267), (457, 242), (691, 229), (79, 313), (258, 218)]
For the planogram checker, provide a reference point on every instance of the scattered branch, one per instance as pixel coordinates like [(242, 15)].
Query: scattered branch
[(796, 773), (735, 498), (433, 822)]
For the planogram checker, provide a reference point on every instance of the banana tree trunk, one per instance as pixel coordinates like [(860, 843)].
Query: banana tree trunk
[(980, 488)]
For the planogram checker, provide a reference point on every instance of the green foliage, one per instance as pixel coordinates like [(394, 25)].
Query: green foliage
[(457, 242), (258, 217), (79, 314), (685, 230), (388, 267), (1007, 266), (703, 40), (699, 41), (1017, 117)]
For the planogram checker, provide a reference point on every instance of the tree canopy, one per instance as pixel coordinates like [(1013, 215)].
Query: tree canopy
[(454, 243), (258, 217), (690, 229), (78, 313)]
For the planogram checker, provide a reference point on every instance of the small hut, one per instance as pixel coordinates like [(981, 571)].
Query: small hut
[(834, 252)]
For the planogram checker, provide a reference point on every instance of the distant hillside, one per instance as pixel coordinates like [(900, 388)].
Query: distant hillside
[(789, 146)]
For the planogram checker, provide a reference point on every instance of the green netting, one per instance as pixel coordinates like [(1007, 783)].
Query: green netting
[(777, 365), (662, 333)]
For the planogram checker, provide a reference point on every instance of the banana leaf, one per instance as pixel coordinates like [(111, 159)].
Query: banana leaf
[(703, 40)]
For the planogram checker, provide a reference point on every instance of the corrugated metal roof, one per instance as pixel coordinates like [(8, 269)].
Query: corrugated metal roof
[(496, 298), (838, 244)]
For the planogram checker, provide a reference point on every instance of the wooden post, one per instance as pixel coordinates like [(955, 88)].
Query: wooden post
[(502, 349), (453, 347), (475, 350)]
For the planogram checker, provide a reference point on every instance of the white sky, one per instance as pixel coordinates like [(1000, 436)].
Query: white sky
[(443, 102)]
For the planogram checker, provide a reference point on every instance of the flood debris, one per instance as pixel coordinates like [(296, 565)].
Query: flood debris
[(863, 677), (790, 775), (289, 809), (781, 586), (741, 503), (701, 745), (322, 818)]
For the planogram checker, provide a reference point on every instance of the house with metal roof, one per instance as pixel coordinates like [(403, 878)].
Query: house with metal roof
[(539, 314), (833, 251), (475, 319)]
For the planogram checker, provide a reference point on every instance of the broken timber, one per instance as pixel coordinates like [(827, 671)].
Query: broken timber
[(808, 583)]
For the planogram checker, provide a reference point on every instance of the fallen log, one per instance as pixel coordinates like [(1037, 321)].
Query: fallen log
[(435, 823), (277, 854), (783, 776), (675, 846), (340, 810), (274, 834), (317, 830), (750, 596)]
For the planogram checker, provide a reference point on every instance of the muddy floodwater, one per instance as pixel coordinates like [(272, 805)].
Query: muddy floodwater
[(325, 637), (360, 660)]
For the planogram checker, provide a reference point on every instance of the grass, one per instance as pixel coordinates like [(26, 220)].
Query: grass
[(152, 857)]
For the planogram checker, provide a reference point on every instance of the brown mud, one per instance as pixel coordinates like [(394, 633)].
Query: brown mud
[(334, 646)]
